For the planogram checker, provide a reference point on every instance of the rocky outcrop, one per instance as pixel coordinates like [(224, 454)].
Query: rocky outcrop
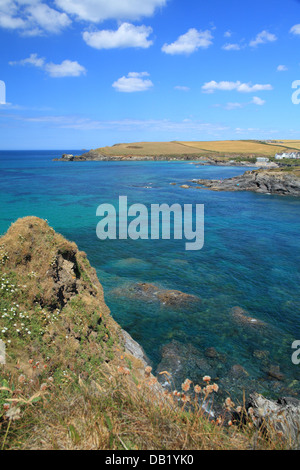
[(281, 416), (135, 348), (168, 297), (93, 155), (283, 183)]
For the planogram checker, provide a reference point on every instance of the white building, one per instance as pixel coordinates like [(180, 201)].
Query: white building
[(281, 156)]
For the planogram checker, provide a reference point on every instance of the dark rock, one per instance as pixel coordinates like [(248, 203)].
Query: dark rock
[(183, 361), (275, 373), (238, 371), (168, 297), (211, 352), (271, 181)]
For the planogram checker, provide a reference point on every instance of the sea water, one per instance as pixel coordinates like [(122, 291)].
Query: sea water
[(250, 259)]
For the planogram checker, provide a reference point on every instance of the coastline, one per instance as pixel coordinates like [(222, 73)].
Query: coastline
[(195, 159), (282, 182)]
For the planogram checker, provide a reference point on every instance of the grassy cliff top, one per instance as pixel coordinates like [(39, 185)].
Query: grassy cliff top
[(69, 382), (226, 147)]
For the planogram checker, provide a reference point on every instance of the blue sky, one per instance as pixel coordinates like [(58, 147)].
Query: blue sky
[(85, 74)]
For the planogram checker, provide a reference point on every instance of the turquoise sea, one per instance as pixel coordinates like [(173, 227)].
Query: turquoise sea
[(250, 259)]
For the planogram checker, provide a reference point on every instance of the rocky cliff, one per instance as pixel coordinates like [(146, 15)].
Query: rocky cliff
[(73, 379), (271, 181)]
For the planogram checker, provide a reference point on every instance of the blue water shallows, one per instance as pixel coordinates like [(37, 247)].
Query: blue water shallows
[(250, 257)]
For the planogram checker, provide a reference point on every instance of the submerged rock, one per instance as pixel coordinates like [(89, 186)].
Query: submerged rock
[(183, 361), (168, 297), (274, 372), (238, 371), (241, 317)]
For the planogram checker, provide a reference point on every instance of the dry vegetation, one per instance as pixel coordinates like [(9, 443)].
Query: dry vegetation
[(68, 382), (228, 148), (247, 147), (149, 148)]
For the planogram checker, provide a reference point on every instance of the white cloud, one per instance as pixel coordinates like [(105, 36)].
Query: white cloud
[(100, 10), (31, 17), (227, 34), (67, 68), (258, 101), (189, 42), (263, 38), (231, 47), (33, 59), (212, 86), (282, 68), (134, 81), (295, 29), (127, 35), (47, 18)]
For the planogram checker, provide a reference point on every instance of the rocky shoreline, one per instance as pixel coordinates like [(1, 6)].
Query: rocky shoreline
[(283, 183), (196, 159)]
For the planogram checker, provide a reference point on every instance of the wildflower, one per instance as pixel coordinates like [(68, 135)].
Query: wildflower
[(250, 411), (148, 371), (215, 387), (43, 387), (229, 403), (21, 379), (230, 423), (186, 385), (185, 398), (208, 389), (197, 389), (13, 413), (206, 378), (6, 406), (239, 409)]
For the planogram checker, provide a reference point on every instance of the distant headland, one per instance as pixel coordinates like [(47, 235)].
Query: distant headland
[(266, 153)]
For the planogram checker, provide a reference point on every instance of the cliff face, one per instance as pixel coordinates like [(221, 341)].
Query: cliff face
[(73, 379), (261, 181), (53, 308)]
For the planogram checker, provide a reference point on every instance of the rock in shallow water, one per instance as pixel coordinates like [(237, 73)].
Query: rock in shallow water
[(242, 317), (167, 297)]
